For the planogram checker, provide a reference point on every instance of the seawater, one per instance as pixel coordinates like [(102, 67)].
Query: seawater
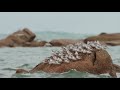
[(27, 58)]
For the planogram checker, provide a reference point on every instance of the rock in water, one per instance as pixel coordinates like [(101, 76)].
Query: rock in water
[(24, 38), (21, 71), (112, 39), (18, 38), (24, 35), (96, 62), (63, 42)]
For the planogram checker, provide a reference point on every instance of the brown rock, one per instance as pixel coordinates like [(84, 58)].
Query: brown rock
[(117, 68), (21, 71), (98, 62), (105, 37), (25, 35), (103, 33), (113, 43), (35, 44), (18, 38), (109, 39), (63, 42)]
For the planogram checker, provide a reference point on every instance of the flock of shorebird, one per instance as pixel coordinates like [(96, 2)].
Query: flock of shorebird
[(73, 52)]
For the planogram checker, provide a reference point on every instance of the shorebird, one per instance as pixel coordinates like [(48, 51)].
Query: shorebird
[(77, 49), (104, 47), (51, 61), (69, 53), (62, 57), (64, 48), (74, 49), (76, 53), (56, 62), (66, 56), (45, 61), (78, 57), (66, 60), (55, 53), (59, 60), (89, 42), (60, 54), (67, 50), (89, 48), (73, 58), (84, 51), (97, 42), (80, 50), (93, 45), (98, 47), (88, 52), (70, 45), (69, 57), (84, 45), (54, 57)]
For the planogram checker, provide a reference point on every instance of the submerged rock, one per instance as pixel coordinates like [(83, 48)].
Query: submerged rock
[(91, 57)]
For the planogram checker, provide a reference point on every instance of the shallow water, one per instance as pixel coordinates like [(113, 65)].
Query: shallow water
[(27, 58)]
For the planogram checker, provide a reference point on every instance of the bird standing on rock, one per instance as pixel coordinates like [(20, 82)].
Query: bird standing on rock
[(73, 52)]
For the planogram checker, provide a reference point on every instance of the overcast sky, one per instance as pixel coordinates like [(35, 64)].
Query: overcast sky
[(79, 22)]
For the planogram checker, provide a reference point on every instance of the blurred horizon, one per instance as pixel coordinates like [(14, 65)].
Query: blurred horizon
[(71, 22)]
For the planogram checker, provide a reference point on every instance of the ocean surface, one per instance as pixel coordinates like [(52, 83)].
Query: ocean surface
[(27, 58)]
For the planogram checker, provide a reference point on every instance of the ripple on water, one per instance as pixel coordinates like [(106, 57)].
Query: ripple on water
[(1, 75), (9, 69), (2, 59), (25, 66), (69, 74), (78, 74), (21, 76)]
